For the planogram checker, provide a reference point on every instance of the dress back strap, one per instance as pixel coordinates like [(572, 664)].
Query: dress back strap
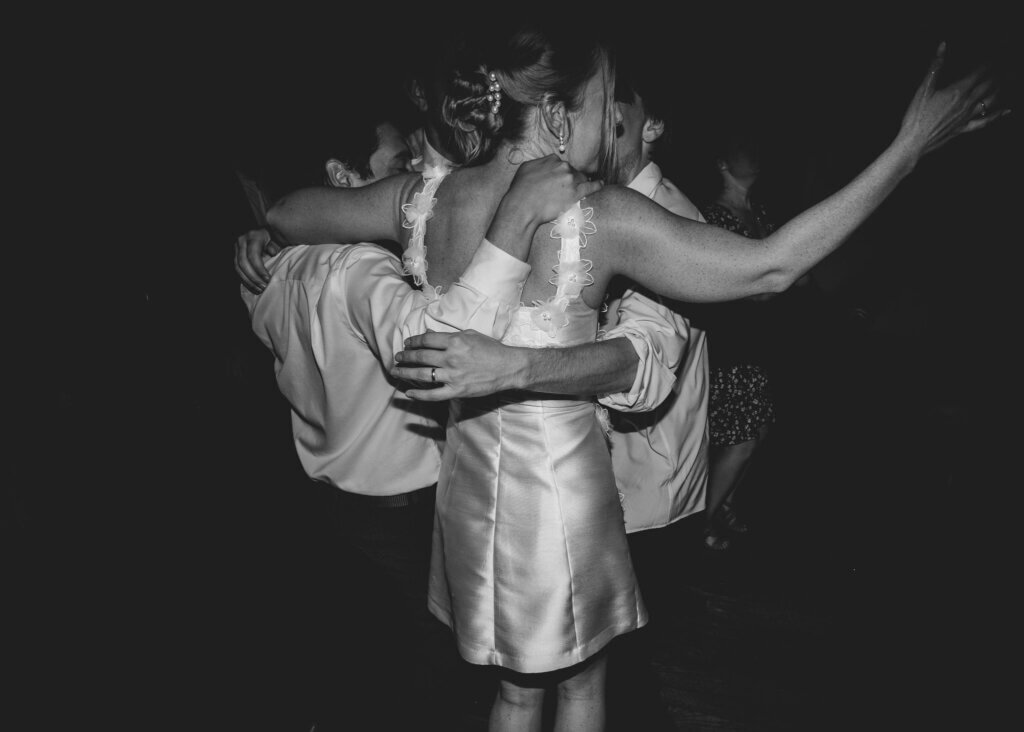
[(417, 213), (572, 273)]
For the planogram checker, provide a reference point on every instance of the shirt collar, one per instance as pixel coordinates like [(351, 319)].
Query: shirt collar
[(647, 180)]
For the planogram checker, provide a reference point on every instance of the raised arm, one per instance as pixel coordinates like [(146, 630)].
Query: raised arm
[(689, 261)]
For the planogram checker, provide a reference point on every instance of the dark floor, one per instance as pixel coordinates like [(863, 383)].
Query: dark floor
[(171, 588)]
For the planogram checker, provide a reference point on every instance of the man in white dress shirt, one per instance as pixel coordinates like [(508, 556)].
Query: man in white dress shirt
[(634, 367), (660, 457), (333, 316)]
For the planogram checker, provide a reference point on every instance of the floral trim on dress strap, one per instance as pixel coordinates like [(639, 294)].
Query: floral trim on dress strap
[(417, 213), (605, 420), (572, 273)]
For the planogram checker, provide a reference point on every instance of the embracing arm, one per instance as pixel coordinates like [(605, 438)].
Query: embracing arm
[(689, 261), (483, 297), (488, 289), (659, 338), (327, 215), (323, 215), (632, 369), (591, 368), (469, 364), (386, 311), (540, 190), (374, 213)]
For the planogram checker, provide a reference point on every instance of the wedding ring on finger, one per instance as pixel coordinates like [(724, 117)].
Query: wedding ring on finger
[(983, 110), (433, 375)]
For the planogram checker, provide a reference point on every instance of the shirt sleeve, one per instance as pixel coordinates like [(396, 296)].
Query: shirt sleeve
[(386, 310), (483, 298), (660, 337)]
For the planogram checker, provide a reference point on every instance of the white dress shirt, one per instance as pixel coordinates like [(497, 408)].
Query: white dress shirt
[(660, 457), (334, 316)]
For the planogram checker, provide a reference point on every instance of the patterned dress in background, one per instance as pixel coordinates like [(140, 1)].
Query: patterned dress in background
[(740, 402)]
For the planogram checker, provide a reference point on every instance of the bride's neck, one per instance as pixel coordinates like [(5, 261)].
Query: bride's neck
[(502, 166)]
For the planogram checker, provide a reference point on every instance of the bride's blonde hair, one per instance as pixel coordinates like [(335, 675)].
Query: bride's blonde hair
[(534, 67)]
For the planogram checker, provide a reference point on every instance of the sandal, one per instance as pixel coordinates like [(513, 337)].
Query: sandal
[(728, 518)]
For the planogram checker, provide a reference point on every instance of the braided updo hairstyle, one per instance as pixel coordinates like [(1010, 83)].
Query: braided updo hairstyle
[(533, 65)]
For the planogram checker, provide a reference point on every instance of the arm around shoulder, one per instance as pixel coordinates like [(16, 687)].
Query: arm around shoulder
[(325, 215)]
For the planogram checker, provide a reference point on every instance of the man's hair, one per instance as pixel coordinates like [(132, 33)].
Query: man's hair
[(350, 135), (642, 71), (353, 144)]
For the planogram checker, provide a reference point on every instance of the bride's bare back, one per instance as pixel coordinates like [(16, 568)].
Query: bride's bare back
[(631, 238), (466, 203)]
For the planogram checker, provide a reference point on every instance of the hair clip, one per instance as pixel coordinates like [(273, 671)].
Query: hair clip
[(494, 93)]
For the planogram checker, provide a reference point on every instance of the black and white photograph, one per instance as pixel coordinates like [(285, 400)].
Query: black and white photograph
[(512, 372)]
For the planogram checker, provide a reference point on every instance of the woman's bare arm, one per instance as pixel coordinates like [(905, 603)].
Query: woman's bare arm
[(540, 190), (328, 215), (698, 262)]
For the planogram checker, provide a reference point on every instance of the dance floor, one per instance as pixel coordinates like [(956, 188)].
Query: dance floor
[(176, 594)]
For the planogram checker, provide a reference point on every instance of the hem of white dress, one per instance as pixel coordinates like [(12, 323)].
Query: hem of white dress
[(485, 656)]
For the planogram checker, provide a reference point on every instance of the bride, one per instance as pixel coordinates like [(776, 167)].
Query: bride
[(530, 565)]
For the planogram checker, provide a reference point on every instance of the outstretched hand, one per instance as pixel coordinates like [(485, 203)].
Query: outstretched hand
[(463, 364), (936, 116), (250, 250)]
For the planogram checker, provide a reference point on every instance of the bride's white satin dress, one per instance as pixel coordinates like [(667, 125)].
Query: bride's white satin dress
[(530, 564)]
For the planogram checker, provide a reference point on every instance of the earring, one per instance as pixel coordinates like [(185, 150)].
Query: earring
[(561, 143)]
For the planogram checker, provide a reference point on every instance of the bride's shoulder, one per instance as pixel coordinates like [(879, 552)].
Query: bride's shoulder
[(613, 195), (617, 205)]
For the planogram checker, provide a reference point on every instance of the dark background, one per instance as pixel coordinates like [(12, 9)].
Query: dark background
[(157, 543)]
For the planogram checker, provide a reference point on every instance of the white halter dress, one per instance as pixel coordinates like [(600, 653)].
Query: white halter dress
[(530, 565)]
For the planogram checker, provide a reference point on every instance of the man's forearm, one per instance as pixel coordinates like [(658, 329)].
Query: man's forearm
[(468, 364), (592, 368)]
